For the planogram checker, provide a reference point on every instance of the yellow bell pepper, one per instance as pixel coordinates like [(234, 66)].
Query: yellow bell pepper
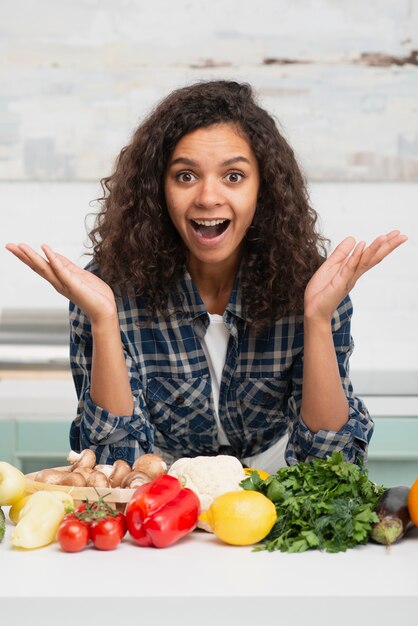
[(16, 509), (65, 498), (39, 519), (12, 484), (249, 470)]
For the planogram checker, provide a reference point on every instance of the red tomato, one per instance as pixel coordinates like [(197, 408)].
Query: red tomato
[(72, 535), (122, 520), (72, 516), (107, 533), (81, 508)]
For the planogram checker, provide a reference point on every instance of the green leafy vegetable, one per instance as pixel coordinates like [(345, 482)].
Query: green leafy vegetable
[(2, 524), (327, 504)]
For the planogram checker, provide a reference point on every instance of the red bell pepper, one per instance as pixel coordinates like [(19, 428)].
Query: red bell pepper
[(161, 512)]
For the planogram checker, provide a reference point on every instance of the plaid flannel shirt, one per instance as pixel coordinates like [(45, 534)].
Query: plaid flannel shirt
[(173, 415)]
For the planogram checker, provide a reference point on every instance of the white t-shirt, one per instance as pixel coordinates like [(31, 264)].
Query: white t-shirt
[(215, 344)]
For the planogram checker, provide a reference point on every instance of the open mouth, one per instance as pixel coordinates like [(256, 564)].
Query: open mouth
[(209, 229)]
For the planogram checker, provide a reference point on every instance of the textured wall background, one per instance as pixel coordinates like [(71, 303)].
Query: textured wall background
[(342, 79), (340, 76)]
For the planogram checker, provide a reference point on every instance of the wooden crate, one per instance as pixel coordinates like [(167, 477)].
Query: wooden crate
[(117, 498)]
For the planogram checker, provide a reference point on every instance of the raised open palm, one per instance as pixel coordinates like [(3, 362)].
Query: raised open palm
[(339, 273), (86, 290)]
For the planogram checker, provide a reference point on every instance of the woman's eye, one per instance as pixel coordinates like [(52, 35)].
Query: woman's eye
[(185, 177), (234, 177)]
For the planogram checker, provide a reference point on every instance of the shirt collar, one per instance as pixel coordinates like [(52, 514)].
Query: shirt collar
[(192, 304)]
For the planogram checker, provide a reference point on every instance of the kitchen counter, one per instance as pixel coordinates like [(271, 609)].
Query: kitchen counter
[(203, 581)]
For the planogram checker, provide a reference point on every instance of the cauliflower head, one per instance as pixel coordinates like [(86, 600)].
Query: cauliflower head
[(209, 476)]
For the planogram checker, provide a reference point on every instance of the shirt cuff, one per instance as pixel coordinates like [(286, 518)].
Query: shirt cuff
[(99, 426), (352, 440)]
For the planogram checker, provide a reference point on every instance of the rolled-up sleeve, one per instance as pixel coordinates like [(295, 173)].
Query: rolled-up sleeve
[(111, 436), (353, 438)]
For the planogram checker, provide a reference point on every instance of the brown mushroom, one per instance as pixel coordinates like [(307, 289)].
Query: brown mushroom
[(51, 476), (151, 464), (120, 470), (106, 469), (86, 458), (97, 479), (84, 471), (135, 479), (74, 479)]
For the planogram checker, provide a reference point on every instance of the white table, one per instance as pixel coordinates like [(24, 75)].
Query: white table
[(204, 582)]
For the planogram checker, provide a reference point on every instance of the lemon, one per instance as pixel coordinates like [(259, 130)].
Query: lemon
[(240, 518)]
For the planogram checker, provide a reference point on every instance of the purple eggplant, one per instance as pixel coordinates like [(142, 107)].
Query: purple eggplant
[(394, 520)]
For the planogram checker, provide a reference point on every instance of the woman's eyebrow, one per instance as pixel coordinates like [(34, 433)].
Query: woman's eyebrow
[(236, 159), (186, 161)]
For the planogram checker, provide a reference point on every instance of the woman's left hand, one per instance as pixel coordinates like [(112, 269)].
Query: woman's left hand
[(339, 273)]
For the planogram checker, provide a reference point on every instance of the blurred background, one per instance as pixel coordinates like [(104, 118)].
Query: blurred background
[(76, 79)]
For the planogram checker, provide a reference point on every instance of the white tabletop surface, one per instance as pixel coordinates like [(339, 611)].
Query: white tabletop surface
[(203, 581)]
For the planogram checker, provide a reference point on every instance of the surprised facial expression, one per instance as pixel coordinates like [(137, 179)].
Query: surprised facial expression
[(211, 188)]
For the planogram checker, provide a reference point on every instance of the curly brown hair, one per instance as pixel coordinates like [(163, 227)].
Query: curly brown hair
[(137, 247)]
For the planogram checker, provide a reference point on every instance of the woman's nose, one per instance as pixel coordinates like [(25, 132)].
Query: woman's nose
[(209, 194)]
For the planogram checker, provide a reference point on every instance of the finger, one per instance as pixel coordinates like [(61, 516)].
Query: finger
[(59, 261), (382, 246), (57, 265), (343, 250), (50, 254), (25, 254), (56, 256), (347, 272), (390, 237), (38, 262), (387, 247), (40, 266), (65, 262), (20, 254), (375, 245), (350, 266), (392, 233), (67, 271)]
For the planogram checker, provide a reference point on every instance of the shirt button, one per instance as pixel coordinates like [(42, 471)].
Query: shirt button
[(267, 396), (180, 400), (120, 454)]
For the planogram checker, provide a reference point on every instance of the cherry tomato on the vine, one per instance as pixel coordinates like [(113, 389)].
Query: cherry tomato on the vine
[(80, 508), (92, 520), (107, 533), (72, 535), (73, 516), (84, 508)]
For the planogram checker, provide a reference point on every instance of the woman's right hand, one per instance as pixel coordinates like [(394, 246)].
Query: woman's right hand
[(86, 290)]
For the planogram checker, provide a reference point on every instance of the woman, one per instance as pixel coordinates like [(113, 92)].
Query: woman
[(209, 319)]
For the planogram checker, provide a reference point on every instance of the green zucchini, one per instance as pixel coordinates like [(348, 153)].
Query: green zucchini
[(2, 524), (394, 520)]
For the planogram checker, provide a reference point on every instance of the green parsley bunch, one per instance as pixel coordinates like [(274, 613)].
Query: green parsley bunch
[(327, 504)]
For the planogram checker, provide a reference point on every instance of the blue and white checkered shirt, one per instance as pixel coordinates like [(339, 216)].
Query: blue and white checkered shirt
[(260, 393)]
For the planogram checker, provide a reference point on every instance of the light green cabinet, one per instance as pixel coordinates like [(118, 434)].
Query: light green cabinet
[(393, 451), (7, 440), (33, 445)]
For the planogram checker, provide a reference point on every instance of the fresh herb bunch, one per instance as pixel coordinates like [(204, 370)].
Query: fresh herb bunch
[(327, 504)]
